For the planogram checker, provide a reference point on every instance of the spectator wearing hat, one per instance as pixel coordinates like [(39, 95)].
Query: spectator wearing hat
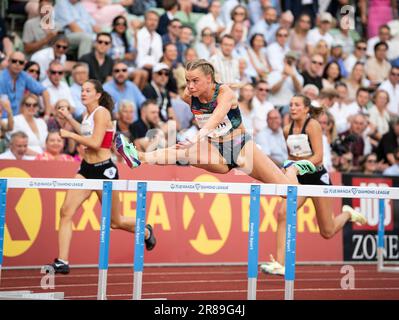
[(156, 90), (321, 32), (276, 51), (285, 83)]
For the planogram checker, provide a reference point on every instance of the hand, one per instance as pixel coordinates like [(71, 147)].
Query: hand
[(64, 113), (65, 133), (186, 144), (7, 106)]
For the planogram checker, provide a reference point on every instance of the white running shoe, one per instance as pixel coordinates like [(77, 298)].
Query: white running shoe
[(273, 267), (356, 217)]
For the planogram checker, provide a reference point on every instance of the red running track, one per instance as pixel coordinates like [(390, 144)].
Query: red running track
[(212, 283)]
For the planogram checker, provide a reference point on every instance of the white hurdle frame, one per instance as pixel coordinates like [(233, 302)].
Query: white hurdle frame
[(254, 190)]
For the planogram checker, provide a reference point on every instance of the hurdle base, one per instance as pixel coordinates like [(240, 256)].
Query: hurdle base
[(251, 289), (289, 290), (380, 263), (102, 284), (137, 285), (29, 295)]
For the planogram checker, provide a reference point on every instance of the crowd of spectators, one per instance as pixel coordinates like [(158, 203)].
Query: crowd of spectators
[(347, 61)]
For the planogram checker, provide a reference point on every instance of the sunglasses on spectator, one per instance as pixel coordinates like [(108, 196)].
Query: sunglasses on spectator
[(264, 89), (163, 73), (317, 62), (103, 42), (361, 48), (120, 70), (58, 46), (34, 71), (57, 72), (20, 62), (121, 23), (30, 105)]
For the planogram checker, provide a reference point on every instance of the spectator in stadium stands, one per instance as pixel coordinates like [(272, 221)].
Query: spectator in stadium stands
[(311, 91), (379, 115), (35, 128), (78, 25), (149, 42), (104, 11), (121, 88), (342, 110), (173, 36), (271, 139), (378, 67), (314, 71), (299, 7), (362, 101), (80, 74), (226, 67), (57, 88), (18, 147), (240, 47), (100, 64), (261, 105), (322, 32), (149, 120), (54, 149), (186, 36), (171, 7), (286, 19), (298, 34), (369, 165), (358, 55), (247, 93), (127, 114), (239, 14), (331, 75), (206, 46), (388, 144), (384, 35), (337, 56), (258, 67), (275, 52), (355, 143), (356, 80), (326, 121), (267, 25), (391, 85), (14, 82), (285, 83), (393, 170), (156, 90), (33, 69), (23, 7), (170, 56), (6, 46), (212, 19), (56, 52), (345, 36), (34, 36), (60, 121)]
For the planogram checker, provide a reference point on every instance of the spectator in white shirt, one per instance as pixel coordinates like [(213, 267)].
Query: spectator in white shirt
[(379, 115), (226, 67), (342, 110), (384, 35), (261, 106), (57, 88), (321, 32), (206, 46), (240, 49), (149, 42), (276, 51), (271, 139), (358, 55), (212, 20), (391, 85), (18, 147), (56, 52)]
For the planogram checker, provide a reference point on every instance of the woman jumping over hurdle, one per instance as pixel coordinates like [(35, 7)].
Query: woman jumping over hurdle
[(304, 141), (221, 143), (96, 134)]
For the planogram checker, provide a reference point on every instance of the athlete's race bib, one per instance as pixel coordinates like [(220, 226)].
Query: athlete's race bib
[(222, 129)]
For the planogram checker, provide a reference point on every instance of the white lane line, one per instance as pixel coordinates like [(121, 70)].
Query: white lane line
[(280, 280)]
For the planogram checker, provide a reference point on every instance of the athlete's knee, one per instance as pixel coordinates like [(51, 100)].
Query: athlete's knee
[(116, 223), (66, 213), (327, 233), (281, 216)]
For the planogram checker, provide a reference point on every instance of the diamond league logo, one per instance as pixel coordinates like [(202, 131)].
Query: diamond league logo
[(197, 186), (54, 183), (31, 183), (172, 186), (354, 190), (325, 190)]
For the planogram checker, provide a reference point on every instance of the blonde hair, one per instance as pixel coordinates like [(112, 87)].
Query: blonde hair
[(206, 67)]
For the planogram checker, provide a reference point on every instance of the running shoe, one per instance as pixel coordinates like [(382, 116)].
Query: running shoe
[(127, 150), (150, 242), (59, 267), (356, 216), (303, 166), (273, 267)]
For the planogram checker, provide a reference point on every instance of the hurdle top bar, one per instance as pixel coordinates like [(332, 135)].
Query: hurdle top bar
[(205, 187)]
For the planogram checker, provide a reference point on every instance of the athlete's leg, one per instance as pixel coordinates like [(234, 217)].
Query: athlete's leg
[(73, 200)]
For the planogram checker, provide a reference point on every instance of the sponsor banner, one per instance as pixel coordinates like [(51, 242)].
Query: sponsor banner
[(191, 227), (360, 242)]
